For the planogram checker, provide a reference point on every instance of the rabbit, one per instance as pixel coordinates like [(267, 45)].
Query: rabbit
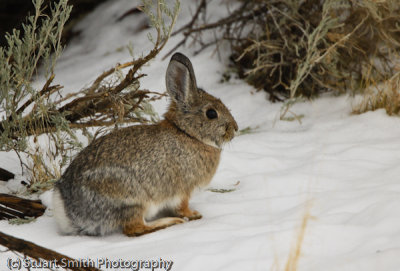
[(123, 179)]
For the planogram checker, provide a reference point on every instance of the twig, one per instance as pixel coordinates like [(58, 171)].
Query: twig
[(41, 253), (44, 90), (19, 207), (179, 44), (234, 17), (189, 25)]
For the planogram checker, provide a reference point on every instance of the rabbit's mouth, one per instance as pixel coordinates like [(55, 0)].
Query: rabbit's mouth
[(228, 137), (230, 133)]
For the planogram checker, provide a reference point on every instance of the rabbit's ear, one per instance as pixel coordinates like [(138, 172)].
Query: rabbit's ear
[(180, 80)]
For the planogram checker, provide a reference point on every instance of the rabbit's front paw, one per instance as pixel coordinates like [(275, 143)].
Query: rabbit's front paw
[(185, 212), (193, 215)]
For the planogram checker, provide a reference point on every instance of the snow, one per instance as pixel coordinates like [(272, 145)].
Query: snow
[(340, 168)]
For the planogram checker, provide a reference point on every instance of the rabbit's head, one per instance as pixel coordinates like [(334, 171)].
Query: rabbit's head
[(193, 110)]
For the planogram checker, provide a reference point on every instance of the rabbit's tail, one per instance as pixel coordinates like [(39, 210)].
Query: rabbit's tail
[(63, 222), (76, 226)]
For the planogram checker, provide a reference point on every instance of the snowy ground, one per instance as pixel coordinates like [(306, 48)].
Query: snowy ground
[(341, 169)]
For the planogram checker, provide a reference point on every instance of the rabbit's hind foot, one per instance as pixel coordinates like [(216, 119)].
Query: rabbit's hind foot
[(138, 227)]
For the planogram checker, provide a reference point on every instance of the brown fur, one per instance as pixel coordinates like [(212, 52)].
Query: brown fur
[(137, 227)]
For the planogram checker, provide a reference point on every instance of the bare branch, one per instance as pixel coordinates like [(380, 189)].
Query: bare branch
[(41, 253)]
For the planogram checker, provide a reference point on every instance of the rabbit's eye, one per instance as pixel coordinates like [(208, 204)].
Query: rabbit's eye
[(211, 114)]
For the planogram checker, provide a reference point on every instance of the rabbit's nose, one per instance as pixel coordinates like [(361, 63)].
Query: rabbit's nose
[(231, 128), (235, 126)]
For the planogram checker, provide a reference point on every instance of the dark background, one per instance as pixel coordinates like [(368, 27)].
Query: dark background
[(14, 12)]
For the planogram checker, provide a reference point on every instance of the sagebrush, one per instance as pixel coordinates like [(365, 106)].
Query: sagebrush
[(304, 48), (41, 125)]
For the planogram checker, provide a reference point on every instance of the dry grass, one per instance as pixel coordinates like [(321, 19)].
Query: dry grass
[(44, 165), (304, 48), (385, 95), (295, 253)]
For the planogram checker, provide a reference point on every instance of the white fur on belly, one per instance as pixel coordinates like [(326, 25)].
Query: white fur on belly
[(153, 208)]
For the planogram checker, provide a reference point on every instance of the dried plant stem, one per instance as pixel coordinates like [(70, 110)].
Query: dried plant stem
[(39, 253), (295, 252), (16, 207)]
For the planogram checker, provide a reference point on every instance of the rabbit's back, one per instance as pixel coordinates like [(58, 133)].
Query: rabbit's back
[(136, 156)]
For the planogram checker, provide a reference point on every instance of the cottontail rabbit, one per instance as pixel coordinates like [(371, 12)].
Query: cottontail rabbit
[(122, 179)]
